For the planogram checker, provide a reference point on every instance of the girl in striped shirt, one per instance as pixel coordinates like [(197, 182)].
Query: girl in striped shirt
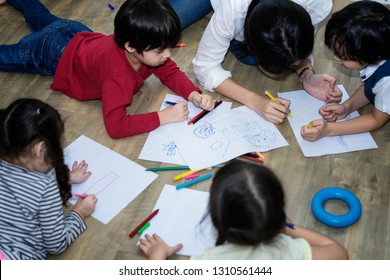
[(35, 184)]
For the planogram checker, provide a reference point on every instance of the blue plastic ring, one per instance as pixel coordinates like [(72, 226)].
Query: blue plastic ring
[(344, 220)]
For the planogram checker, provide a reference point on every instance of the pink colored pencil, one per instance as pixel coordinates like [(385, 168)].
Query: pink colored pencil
[(80, 195), (192, 176)]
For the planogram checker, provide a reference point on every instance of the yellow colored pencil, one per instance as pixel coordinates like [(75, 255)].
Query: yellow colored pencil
[(181, 176), (277, 101)]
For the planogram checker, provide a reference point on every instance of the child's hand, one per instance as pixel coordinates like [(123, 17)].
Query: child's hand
[(315, 132), (85, 206), (202, 101), (156, 249), (79, 172), (322, 87), (333, 112), (175, 113)]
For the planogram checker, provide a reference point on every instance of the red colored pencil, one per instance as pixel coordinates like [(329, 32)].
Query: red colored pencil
[(148, 218), (203, 113)]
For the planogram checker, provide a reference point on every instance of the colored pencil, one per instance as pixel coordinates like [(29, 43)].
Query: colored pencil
[(277, 101), (148, 218), (80, 195), (194, 181), (169, 103), (145, 226), (192, 176), (290, 225), (203, 113), (180, 45), (168, 168), (181, 176)]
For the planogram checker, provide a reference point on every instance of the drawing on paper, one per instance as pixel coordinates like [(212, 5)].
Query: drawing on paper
[(264, 140), (205, 130), (102, 184), (258, 137), (170, 148)]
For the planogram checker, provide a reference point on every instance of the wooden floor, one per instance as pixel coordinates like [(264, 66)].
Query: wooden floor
[(366, 173)]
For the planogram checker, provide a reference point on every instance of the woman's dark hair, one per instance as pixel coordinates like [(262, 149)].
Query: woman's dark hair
[(246, 204), (146, 25), (27, 121), (278, 33), (360, 32)]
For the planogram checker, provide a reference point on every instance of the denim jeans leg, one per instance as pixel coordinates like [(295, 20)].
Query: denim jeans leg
[(36, 14), (190, 11), (40, 52), (234, 48)]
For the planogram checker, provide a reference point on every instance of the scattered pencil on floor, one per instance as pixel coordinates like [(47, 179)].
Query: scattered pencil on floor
[(194, 181), (111, 7), (256, 157), (180, 45)]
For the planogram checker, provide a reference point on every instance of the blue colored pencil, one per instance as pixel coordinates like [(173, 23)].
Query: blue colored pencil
[(194, 181)]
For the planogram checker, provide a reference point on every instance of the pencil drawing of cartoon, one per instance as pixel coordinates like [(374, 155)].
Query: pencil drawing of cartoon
[(170, 148), (205, 130)]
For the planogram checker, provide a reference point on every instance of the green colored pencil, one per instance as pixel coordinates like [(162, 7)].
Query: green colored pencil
[(167, 168)]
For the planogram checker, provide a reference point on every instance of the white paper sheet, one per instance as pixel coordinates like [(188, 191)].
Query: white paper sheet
[(160, 145), (218, 138), (304, 108), (115, 180), (179, 220)]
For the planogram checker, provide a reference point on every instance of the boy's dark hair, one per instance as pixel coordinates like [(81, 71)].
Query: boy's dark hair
[(278, 33), (360, 32), (246, 204), (27, 121), (146, 25)]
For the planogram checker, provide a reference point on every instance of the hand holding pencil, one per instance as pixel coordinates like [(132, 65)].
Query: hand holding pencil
[(176, 113), (283, 103)]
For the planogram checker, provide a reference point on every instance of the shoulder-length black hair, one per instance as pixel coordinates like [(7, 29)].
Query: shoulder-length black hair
[(246, 204), (27, 121), (360, 32), (278, 33), (146, 25)]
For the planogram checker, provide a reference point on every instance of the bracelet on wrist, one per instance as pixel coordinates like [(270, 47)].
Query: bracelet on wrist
[(302, 73)]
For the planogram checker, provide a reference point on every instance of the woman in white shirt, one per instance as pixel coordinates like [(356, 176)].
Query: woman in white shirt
[(275, 35)]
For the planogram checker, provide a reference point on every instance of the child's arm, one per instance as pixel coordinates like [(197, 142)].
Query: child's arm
[(320, 128), (322, 247), (156, 249)]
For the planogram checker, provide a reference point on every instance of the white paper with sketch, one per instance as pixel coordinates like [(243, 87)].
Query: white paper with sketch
[(115, 180), (179, 220), (221, 137), (304, 108), (160, 145)]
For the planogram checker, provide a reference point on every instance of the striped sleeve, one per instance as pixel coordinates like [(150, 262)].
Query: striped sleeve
[(58, 231)]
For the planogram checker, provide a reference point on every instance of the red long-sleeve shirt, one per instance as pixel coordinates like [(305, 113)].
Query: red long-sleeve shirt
[(92, 66)]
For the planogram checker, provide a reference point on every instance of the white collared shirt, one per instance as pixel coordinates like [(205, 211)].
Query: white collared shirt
[(226, 24)]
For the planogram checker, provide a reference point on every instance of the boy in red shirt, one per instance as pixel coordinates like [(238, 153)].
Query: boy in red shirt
[(87, 65)]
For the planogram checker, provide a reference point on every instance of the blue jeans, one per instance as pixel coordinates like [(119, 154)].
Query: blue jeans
[(40, 51), (190, 11)]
